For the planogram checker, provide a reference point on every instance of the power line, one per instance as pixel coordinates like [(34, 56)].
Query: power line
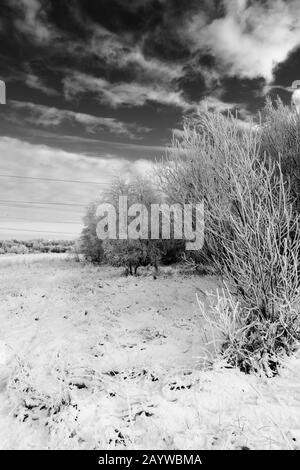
[(40, 221), (53, 179), (30, 207), (8, 201), (34, 231)]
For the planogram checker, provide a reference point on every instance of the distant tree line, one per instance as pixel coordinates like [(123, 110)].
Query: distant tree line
[(36, 246)]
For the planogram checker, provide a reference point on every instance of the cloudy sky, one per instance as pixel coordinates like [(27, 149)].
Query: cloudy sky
[(95, 89)]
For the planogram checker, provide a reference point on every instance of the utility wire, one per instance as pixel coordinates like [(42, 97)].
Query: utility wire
[(53, 179), (8, 201), (35, 231), (39, 221), (60, 209)]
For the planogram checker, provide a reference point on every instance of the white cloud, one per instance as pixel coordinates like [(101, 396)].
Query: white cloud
[(45, 116), (252, 37), (19, 157), (22, 158), (31, 20), (124, 94)]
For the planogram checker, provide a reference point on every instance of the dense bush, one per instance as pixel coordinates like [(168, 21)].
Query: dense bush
[(170, 251), (128, 253), (90, 245), (280, 131), (131, 253), (18, 249), (196, 170), (252, 231)]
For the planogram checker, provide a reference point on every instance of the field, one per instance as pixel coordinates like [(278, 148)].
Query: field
[(92, 359)]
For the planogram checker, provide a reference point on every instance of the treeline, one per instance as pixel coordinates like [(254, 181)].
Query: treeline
[(248, 177), (36, 246)]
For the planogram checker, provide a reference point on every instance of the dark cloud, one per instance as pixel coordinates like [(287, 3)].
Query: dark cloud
[(143, 63), (285, 73)]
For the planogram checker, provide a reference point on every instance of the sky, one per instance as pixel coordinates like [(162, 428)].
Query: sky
[(95, 89)]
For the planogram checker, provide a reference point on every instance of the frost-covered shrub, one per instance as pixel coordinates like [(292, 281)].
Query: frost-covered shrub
[(252, 230)]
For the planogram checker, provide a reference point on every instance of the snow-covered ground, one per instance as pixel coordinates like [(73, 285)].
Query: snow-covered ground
[(92, 359), (31, 258)]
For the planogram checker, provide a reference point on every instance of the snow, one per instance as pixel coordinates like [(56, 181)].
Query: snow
[(92, 359)]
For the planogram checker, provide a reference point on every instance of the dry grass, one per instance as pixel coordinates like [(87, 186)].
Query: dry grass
[(280, 136)]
